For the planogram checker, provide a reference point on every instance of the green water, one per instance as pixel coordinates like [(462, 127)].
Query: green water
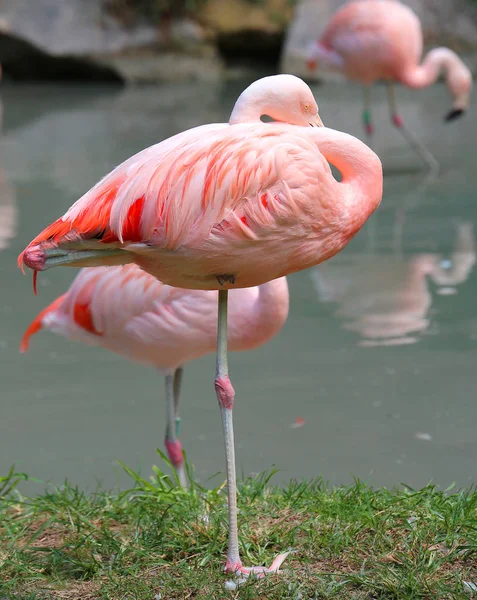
[(378, 357)]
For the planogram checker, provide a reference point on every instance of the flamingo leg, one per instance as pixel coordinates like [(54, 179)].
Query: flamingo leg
[(412, 140), (367, 120), (177, 392), (173, 445), (225, 396)]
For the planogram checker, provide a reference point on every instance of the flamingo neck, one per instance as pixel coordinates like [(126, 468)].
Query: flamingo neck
[(273, 299), (361, 186), (437, 60), (261, 316), (258, 99), (247, 109), (271, 307)]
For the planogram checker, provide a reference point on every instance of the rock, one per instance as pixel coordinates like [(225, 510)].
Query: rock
[(242, 15), (242, 30), (54, 40), (251, 47), (22, 61), (149, 66), (187, 32), (444, 22), (72, 26), (248, 33), (51, 40), (44, 34)]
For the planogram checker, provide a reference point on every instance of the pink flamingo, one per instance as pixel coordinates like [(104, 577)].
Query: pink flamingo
[(225, 205), (127, 311), (382, 39)]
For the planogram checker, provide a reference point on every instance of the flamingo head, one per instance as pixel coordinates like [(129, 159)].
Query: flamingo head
[(294, 102), (284, 98), (459, 83)]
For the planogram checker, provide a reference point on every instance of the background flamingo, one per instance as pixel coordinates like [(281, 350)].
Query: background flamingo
[(126, 310), (225, 205), (382, 39)]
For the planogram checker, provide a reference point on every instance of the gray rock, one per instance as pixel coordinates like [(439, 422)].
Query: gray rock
[(71, 26), (165, 67), (23, 61), (45, 29)]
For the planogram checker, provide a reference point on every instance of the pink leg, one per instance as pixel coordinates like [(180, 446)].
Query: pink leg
[(173, 445), (226, 396)]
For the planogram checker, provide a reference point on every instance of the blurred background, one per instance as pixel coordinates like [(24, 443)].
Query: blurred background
[(374, 374)]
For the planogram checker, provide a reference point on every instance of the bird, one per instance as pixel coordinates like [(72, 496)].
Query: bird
[(131, 313), (374, 40), (221, 206)]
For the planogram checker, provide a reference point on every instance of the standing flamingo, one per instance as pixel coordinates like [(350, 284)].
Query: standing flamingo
[(382, 39), (130, 312), (225, 205)]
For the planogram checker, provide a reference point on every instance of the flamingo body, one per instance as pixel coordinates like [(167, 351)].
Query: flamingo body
[(131, 313), (254, 200), (373, 39), (382, 39)]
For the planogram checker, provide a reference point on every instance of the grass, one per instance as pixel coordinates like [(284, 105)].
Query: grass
[(159, 541)]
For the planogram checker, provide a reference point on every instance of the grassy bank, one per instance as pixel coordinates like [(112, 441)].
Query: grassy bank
[(158, 541)]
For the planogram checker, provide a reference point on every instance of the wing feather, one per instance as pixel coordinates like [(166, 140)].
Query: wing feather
[(193, 185)]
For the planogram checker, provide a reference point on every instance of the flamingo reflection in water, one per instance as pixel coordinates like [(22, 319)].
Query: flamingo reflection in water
[(386, 299)]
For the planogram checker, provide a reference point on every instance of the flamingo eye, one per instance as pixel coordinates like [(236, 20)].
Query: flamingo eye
[(306, 107)]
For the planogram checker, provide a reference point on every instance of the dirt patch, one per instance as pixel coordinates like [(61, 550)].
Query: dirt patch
[(81, 590)]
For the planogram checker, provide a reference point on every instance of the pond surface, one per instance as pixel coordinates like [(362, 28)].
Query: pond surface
[(378, 360)]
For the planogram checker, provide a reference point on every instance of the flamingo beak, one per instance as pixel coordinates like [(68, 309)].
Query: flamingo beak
[(455, 113), (316, 121)]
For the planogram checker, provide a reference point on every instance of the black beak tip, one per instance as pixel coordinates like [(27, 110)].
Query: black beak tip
[(454, 114)]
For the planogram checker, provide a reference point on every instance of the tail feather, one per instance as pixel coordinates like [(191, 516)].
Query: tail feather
[(37, 324), (88, 219)]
